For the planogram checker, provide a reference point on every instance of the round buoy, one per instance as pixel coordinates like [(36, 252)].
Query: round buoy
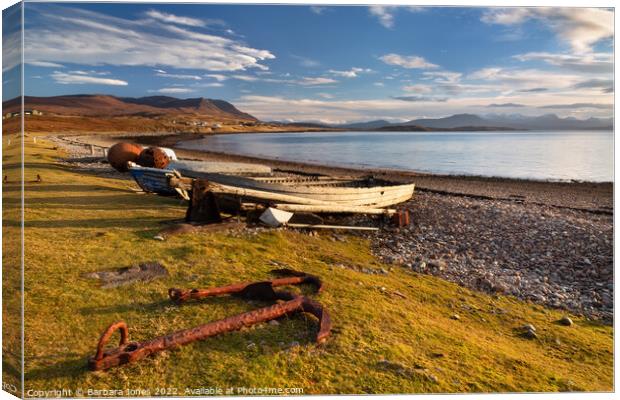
[(153, 157), (121, 153)]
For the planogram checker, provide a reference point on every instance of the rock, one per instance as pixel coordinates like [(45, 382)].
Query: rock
[(455, 317), (294, 344), (566, 321), (159, 237), (528, 327), (274, 322), (251, 345)]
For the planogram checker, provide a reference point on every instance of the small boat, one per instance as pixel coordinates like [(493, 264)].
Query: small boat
[(152, 180), (305, 194), (293, 193), (155, 180), (190, 167)]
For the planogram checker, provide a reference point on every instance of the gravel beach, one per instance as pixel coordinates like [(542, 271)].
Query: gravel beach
[(547, 242), (557, 257)]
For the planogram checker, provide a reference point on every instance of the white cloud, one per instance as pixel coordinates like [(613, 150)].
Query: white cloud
[(590, 62), (45, 64), (579, 27), (525, 78), (332, 110), (442, 76), (352, 73), (325, 95), (306, 62), (212, 84), (69, 35), (81, 79), (218, 77), (379, 84), (174, 19), (246, 78), (418, 88), (385, 14), (173, 90), (179, 76), (318, 10), (407, 61), (315, 81)]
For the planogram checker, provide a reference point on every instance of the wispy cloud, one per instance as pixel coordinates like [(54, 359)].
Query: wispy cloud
[(316, 81), (534, 90), (174, 19), (589, 63), (318, 10), (352, 73), (45, 64), (418, 88), (572, 106), (71, 35), (580, 27), (178, 76), (412, 61), (173, 90), (606, 85), (78, 78), (385, 14), (419, 98), (506, 105), (306, 62)]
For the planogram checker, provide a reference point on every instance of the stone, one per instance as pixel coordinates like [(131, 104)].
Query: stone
[(455, 317), (159, 237), (566, 321)]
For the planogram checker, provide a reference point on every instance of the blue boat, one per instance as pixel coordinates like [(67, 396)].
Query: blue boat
[(152, 180)]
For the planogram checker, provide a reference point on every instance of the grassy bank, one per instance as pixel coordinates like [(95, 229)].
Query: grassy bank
[(393, 333)]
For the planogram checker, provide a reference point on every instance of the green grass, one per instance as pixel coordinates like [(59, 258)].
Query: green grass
[(78, 223)]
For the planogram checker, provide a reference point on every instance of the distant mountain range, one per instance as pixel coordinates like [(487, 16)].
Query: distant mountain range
[(165, 110), (471, 122), (111, 106)]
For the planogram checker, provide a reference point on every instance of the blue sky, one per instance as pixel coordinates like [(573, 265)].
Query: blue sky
[(331, 64)]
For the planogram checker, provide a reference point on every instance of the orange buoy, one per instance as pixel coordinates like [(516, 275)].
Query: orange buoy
[(121, 153)]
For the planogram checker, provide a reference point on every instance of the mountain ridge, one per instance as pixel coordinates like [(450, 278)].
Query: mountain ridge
[(107, 105), (471, 122)]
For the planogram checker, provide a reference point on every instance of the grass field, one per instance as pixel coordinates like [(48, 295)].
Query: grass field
[(381, 343)]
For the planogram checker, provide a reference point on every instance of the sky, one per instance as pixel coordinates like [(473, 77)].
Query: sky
[(327, 63)]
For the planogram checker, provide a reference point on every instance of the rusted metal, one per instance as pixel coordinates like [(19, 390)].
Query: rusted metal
[(128, 352), (291, 277), (401, 218), (153, 157), (121, 153)]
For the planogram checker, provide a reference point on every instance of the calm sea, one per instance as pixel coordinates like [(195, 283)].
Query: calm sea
[(578, 155)]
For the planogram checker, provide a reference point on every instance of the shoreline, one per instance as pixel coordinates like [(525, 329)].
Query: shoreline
[(594, 197), (540, 251)]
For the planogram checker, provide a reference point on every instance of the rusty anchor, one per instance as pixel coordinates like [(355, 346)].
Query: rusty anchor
[(128, 352), (291, 277)]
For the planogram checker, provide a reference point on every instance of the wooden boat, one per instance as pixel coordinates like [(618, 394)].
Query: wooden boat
[(309, 194), (190, 167), (297, 193)]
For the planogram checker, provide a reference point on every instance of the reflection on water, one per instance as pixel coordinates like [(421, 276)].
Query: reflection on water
[(579, 155)]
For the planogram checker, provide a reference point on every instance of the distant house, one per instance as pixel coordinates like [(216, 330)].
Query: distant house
[(216, 126)]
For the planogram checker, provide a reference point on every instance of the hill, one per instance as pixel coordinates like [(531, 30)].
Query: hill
[(107, 106)]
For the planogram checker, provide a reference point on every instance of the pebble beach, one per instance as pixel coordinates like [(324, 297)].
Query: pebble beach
[(547, 242)]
